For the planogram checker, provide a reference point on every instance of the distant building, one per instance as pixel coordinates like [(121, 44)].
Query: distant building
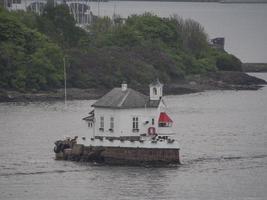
[(217, 43), (80, 9)]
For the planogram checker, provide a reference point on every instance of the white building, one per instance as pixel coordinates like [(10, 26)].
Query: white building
[(80, 9), (126, 112)]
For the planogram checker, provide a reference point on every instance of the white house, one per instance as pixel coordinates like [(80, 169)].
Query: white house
[(126, 112)]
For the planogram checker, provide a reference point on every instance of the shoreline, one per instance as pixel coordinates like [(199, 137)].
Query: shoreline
[(192, 84), (254, 67)]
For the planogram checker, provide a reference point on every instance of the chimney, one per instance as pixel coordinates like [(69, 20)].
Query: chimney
[(123, 86)]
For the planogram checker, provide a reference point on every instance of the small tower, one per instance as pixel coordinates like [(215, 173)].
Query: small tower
[(155, 89)]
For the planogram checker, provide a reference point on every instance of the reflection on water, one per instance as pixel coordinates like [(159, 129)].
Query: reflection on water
[(223, 138)]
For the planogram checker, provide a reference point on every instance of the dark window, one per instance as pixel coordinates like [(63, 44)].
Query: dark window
[(90, 124), (165, 124), (111, 128), (155, 91), (135, 124), (101, 123)]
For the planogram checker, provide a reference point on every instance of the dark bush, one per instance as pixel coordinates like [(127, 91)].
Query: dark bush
[(226, 62)]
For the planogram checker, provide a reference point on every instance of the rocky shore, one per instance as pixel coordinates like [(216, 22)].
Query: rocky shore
[(54, 95), (217, 81), (195, 83), (254, 67)]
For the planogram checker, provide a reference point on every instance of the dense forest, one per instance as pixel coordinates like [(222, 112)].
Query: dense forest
[(137, 50)]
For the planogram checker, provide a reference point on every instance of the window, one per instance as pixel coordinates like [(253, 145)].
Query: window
[(90, 124), (155, 91), (135, 124), (111, 128), (153, 121), (101, 123)]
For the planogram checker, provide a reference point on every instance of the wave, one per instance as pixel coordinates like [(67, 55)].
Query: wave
[(224, 158), (185, 163), (40, 172)]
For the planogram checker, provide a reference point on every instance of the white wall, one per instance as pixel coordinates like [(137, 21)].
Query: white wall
[(158, 94), (123, 120)]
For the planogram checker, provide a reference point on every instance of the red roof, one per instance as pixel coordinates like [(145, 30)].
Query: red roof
[(164, 118)]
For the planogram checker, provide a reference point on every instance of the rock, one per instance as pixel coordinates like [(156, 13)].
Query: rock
[(192, 83), (222, 80), (59, 156), (77, 149), (72, 94), (254, 67), (235, 78)]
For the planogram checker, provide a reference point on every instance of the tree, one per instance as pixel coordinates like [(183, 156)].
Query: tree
[(28, 60), (59, 25), (227, 62)]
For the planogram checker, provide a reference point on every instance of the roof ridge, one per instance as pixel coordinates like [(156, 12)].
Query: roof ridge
[(130, 98), (124, 98)]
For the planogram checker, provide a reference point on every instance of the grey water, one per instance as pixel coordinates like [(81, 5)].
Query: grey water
[(244, 26), (222, 136)]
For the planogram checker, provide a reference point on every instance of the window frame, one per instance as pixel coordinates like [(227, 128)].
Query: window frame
[(101, 123), (155, 91), (135, 124), (111, 124)]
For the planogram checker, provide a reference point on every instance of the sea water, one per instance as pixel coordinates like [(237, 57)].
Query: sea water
[(222, 136)]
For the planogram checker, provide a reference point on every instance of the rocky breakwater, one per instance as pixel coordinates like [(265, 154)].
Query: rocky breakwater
[(131, 150), (53, 95), (221, 80)]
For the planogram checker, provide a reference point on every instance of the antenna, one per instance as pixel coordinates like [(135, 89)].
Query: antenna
[(65, 81), (98, 8)]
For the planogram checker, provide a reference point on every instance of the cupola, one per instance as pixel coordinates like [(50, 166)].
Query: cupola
[(155, 90)]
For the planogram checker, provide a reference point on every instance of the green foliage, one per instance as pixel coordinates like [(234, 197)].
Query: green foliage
[(28, 60), (182, 42), (192, 36), (226, 62), (137, 49), (59, 25), (151, 27)]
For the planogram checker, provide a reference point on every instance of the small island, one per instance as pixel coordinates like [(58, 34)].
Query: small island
[(34, 48)]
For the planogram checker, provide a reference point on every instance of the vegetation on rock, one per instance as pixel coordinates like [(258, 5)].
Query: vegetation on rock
[(28, 59), (137, 50)]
